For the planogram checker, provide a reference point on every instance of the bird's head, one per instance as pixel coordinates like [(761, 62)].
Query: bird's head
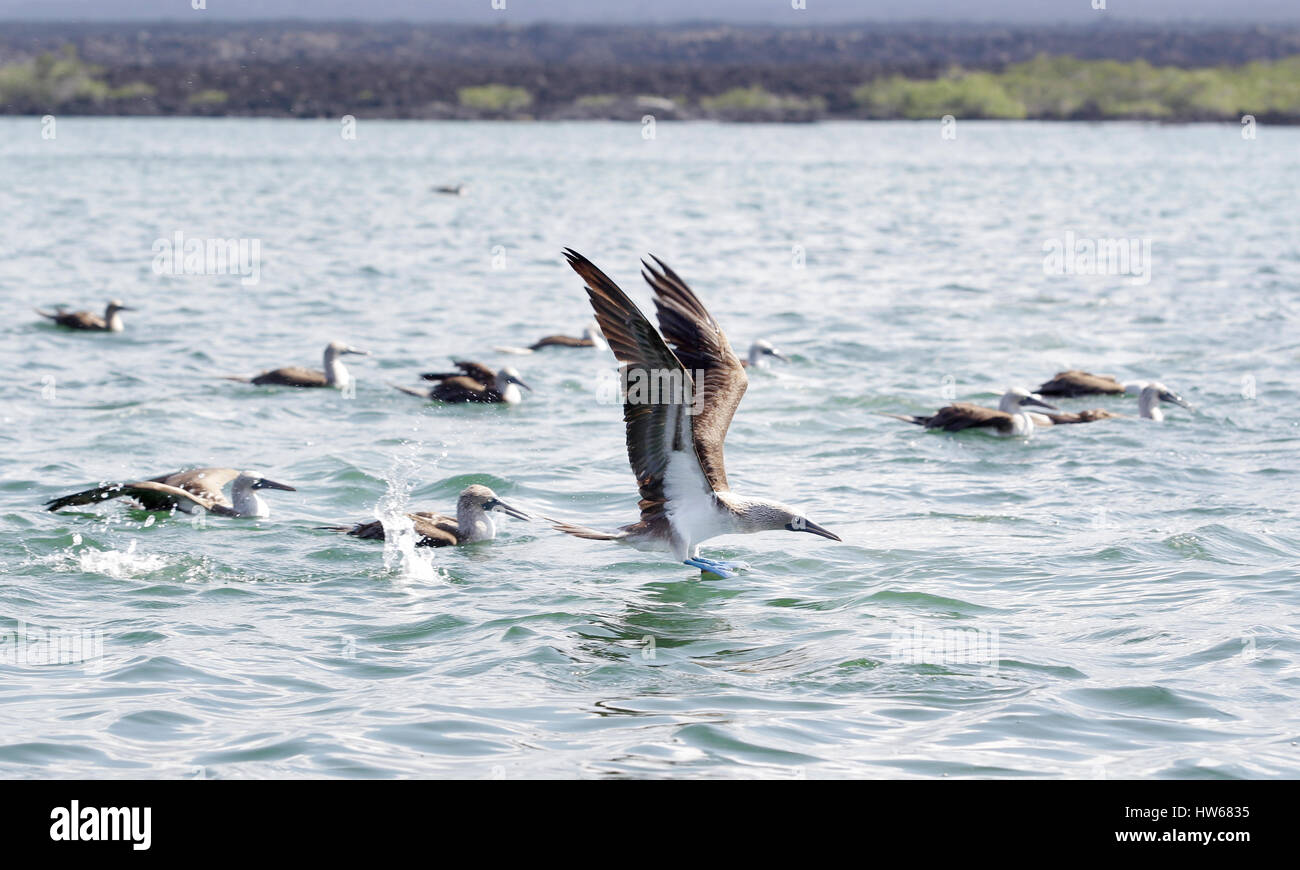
[(1016, 399), (477, 496)]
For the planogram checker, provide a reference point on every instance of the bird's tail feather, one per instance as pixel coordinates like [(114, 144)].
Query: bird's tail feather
[(239, 378), (583, 531), (410, 391), (906, 418)]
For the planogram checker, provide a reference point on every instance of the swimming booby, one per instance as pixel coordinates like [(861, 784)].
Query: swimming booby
[(473, 383), (452, 189), (472, 522), (191, 491), (335, 374), (84, 320), (676, 450), (1009, 419), (1073, 383), (1150, 398), (759, 351), (591, 337)]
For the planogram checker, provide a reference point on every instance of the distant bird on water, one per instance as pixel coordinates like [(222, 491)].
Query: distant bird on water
[(88, 322), (591, 337), (1009, 419), (471, 524), (474, 383), (1073, 383), (452, 189), (335, 374), (191, 491), (675, 444), (759, 351)]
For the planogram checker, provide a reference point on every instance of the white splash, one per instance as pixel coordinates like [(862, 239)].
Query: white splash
[(401, 555), (116, 563)]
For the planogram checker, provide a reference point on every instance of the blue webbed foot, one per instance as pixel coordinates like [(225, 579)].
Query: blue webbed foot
[(724, 564), (711, 566)]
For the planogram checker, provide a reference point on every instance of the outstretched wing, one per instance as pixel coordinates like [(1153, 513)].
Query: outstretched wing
[(720, 379), (207, 482), (151, 495), (658, 422)]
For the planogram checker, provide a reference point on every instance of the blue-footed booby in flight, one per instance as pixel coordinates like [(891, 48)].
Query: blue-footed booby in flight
[(474, 383), (1009, 419), (471, 524), (191, 491), (335, 374), (88, 322), (674, 444)]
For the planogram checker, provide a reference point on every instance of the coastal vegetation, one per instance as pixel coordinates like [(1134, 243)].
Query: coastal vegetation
[(729, 74)]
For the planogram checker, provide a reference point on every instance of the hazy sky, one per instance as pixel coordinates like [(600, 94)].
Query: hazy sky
[(622, 11)]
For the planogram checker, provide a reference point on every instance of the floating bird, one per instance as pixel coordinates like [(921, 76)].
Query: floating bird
[(675, 444), (1074, 382), (759, 351), (591, 337), (1009, 419), (335, 375), (473, 383), (471, 524), (191, 491), (1150, 398), (84, 320), (452, 189)]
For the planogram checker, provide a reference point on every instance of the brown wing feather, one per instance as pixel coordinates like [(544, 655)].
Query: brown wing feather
[(1080, 383), (1090, 416), (654, 430), (560, 341), (291, 376), (207, 482), (435, 530), (701, 346), (77, 319), (476, 371), (151, 494), (962, 415), (462, 389)]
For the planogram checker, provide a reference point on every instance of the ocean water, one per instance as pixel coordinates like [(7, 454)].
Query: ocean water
[(1112, 600)]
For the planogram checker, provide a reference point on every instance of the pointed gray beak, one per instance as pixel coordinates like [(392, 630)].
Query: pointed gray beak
[(776, 353), (522, 384), (353, 350), (126, 308), (1171, 396), (263, 483), (810, 526), (1031, 400), (499, 505)]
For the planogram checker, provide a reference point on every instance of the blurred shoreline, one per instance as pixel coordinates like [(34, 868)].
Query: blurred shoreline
[(1110, 71)]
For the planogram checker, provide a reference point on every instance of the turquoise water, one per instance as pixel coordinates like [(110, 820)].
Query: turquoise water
[(1128, 590)]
